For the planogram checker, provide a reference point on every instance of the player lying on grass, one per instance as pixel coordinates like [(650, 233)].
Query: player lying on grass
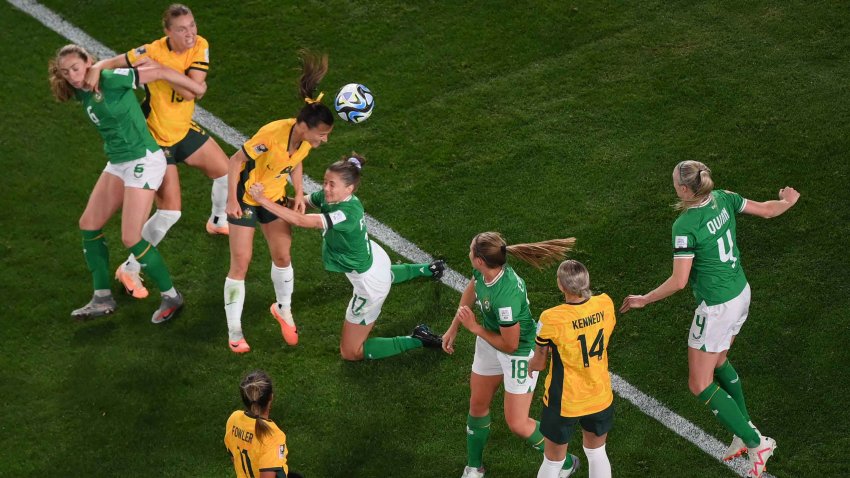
[(705, 254), (578, 387), (346, 248), (270, 157), (169, 109), (504, 340), (133, 173)]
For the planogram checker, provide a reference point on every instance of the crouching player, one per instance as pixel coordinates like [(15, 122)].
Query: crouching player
[(578, 388)]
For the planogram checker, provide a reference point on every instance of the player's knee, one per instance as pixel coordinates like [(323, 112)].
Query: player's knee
[(282, 260), (130, 239), (697, 385), (351, 354), (478, 408), (520, 426)]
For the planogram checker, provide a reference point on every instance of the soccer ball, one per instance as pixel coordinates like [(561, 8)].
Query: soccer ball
[(354, 103)]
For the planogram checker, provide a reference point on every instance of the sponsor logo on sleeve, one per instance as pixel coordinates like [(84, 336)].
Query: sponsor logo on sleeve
[(207, 55), (539, 326), (141, 50), (121, 71), (281, 451), (261, 148), (681, 242), (337, 217), (505, 314)]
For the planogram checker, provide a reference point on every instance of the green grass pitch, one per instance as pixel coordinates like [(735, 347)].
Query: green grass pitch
[(539, 120)]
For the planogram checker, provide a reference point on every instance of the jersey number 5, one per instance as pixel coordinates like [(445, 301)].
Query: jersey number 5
[(597, 349)]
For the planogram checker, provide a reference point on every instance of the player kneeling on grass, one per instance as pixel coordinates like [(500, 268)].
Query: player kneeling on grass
[(504, 343), (257, 447), (705, 253), (134, 172), (578, 387), (346, 248)]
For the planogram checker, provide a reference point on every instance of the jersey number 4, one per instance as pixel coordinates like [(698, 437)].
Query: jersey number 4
[(597, 349), (727, 255)]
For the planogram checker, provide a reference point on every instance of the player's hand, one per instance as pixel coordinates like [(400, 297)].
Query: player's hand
[(789, 195), (256, 190), (466, 316), (92, 80), (633, 302), (449, 339), (298, 204), (232, 209)]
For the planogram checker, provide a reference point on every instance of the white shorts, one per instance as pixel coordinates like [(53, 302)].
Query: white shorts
[(714, 326), (371, 288), (143, 173), (489, 361)]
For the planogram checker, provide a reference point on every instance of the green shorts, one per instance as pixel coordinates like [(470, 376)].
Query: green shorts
[(251, 214), (181, 150), (560, 429)]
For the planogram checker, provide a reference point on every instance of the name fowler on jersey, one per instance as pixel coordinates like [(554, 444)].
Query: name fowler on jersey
[(589, 320), (241, 434)]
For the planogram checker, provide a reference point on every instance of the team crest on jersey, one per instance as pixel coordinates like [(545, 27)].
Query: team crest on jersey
[(141, 51), (261, 148), (486, 305), (98, 96)]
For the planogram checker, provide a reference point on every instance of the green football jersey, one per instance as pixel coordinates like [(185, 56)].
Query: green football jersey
[(504, 303), (706, 233), (118, 117), (346, 245)]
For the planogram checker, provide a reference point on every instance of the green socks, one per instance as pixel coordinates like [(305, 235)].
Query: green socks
[(405, 272), (728, 413), (536, 439), (477, 433), (728, 379), (382, 347), (149, 258), (536, 442), (97, 258)]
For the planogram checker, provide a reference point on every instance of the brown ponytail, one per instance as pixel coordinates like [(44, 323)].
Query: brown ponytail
[(313, 69), (256, 391), (492, 249)]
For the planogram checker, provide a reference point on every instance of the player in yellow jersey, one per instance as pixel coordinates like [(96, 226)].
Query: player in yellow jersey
[(168, 110), (255, 444), (578, 387), (271, 156)]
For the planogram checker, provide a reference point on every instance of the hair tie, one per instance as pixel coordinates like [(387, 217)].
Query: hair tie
[(318, 99), (355, 162), (504, 249)]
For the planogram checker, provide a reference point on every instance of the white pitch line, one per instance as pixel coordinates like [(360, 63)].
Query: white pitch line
[(648, 405)]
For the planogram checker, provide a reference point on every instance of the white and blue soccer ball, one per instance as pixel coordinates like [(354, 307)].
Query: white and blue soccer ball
[(354, 103)]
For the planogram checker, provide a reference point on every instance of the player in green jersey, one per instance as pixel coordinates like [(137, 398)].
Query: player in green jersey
[(504, 343), (346, 248), (135, 170), (705, 254)]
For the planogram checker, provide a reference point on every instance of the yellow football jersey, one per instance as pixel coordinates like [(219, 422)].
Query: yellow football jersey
[(271, 160), (577, 336), (169, 114), (250, 454)]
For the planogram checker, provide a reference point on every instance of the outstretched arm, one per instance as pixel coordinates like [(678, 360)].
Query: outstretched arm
[(92, 80), (676, 282), (313, 221), (151, 71), (788, 196)]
